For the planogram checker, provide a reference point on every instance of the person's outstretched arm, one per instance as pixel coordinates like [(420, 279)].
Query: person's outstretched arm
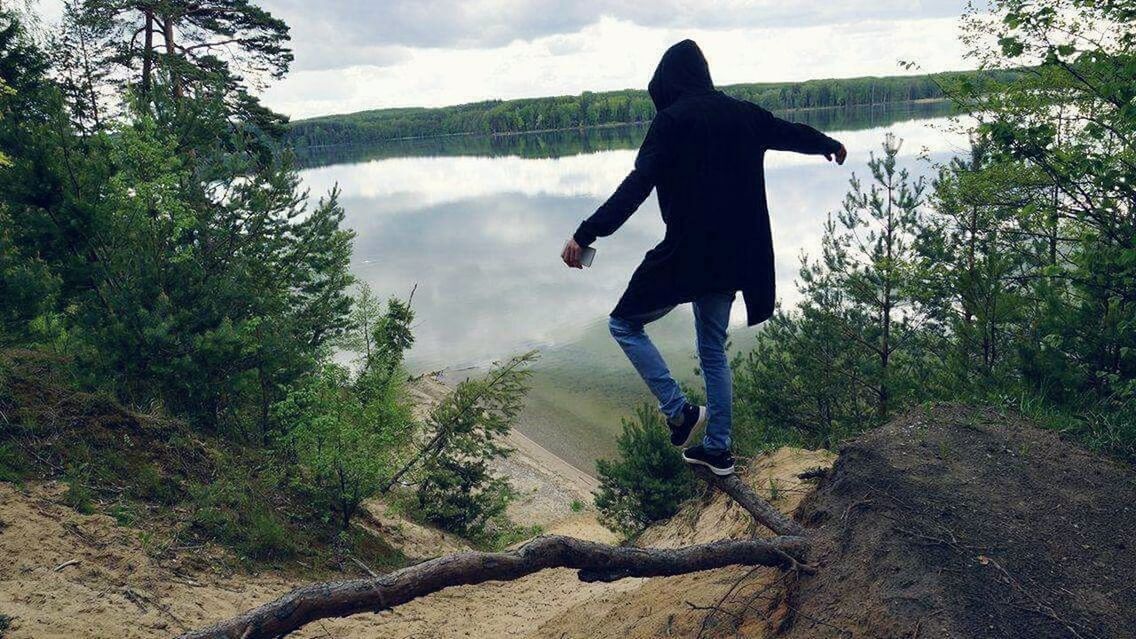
[(627, 197), (782, 135)]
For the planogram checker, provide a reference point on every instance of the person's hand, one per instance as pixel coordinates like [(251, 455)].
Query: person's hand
[(571, 254), (840, 155)]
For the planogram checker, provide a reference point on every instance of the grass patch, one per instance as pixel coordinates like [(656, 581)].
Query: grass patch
[(775, 493), (1102, 428), (79, 496), (502, 533), (125, 512), (237, 510), (150, 485), (13, 467)]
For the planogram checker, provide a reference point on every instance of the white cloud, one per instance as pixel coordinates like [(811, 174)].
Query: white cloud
[(495, 23), (353, 55), (616, 54)]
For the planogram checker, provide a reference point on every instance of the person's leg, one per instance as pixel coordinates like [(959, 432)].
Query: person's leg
[(629, 333), (711, 321)]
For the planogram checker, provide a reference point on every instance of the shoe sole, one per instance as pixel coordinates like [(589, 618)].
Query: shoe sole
[(721, 472), (702, 414)]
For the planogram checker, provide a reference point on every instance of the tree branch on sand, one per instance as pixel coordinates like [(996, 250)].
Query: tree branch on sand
[(595, 562), (761, 510)]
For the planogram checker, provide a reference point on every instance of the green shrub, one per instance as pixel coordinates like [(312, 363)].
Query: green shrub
[(149, 485), (237, 510), (648, 481), (462, 497), (13, 466), (78, 496), (347, 434), (264, 535), (458, 491)]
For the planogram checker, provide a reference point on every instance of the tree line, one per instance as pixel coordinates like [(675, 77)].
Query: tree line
[(628, 106), (564, 142)]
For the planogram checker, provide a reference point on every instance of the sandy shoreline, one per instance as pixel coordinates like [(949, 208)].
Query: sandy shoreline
[(533, 452), (547, 486)]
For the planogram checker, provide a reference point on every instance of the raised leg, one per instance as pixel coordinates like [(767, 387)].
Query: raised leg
[(629, 333)]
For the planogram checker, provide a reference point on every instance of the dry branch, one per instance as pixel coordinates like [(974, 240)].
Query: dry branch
[(595, 562), (762, 510)]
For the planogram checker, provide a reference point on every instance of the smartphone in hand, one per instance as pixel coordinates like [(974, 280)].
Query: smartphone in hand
[(587, 254)]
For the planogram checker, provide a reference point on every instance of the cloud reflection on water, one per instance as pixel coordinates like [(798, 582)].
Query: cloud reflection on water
[(481, 236)]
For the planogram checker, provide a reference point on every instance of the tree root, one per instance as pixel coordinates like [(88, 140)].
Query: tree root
[(760, 509), (595, 562)]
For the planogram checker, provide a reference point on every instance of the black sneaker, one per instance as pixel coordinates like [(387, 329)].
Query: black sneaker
[(691, 418), (720, 464)]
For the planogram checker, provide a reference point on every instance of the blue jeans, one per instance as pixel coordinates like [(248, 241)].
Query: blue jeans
[(711, 320)]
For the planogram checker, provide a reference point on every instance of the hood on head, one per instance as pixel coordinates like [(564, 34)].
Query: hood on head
[(683, 70)]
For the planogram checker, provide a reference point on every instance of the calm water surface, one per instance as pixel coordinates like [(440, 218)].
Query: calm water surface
[(478, 226)]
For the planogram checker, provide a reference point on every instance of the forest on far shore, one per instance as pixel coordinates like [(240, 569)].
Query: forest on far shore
[(627, 106)]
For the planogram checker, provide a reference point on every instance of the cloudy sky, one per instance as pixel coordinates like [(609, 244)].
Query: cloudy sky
[(358, 54)]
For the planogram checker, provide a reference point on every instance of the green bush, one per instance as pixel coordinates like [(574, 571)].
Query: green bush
[(237, 511), (348, 435), (13, 466), (648, 481), (462, 497), (78, 496), (458, 490)]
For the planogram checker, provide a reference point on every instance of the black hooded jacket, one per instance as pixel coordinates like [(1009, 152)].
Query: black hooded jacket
[(704, 154)]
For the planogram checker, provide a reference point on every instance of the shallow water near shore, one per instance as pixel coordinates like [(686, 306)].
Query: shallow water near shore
[(477, 225)]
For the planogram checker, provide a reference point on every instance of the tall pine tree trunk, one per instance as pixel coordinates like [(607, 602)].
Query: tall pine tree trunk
[(885, 314), (168, 34), (148, 53)]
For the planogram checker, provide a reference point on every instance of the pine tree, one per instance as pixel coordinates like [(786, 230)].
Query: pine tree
[(1066, 134), (863, 280), (649, 480), (969, 256), (191, 266), (220, 48), (457, 489), (82, 72)]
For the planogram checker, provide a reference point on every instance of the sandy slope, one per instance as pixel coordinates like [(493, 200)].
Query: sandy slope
[(65, 574), (69, 575), (117, 589), (664, 607)]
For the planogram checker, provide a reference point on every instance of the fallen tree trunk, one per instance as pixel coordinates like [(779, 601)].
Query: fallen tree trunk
[(760, 509), (596, 562)]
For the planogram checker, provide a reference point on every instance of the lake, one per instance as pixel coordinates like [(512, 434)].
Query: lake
[(477, 225)]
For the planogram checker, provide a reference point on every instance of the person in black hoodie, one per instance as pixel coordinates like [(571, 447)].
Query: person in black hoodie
[(704, 155)]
